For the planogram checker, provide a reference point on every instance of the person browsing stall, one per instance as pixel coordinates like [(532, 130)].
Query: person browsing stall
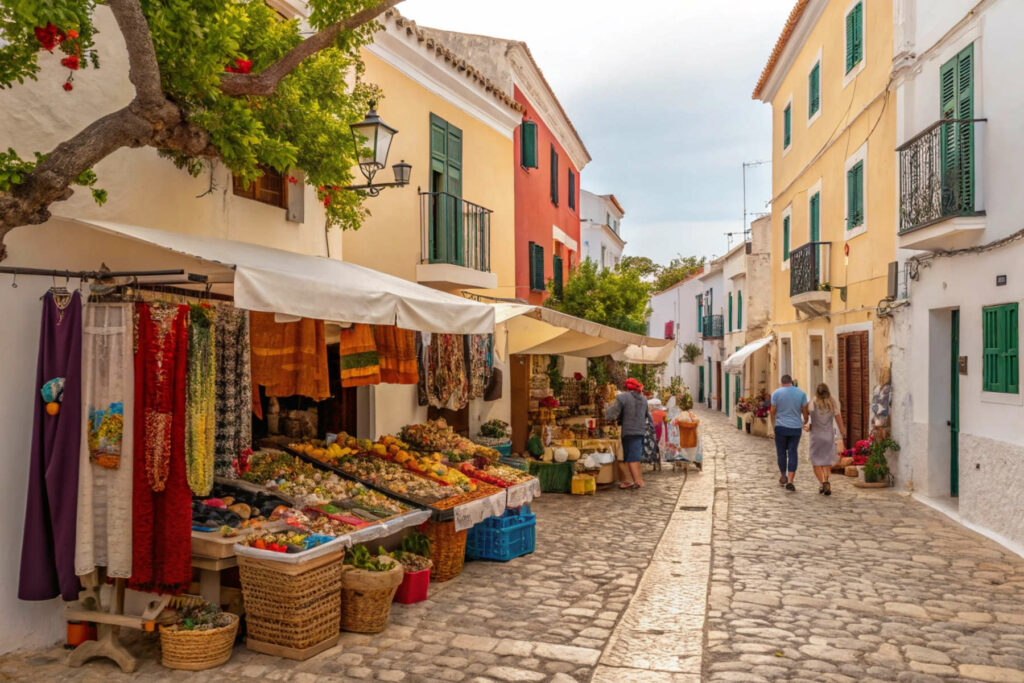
[(630, 409)]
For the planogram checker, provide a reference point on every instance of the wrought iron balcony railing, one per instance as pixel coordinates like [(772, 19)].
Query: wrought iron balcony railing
[(937, 174), (713, 327), (454, 231), (808, 268)]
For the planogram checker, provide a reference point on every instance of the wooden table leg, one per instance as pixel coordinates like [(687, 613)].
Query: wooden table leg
[(209, 585)]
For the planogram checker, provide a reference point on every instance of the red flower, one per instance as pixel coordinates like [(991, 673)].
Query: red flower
[(293, 180), (71, 62), (327, 202), (67, 86), (49, 36), (241, 66), (72, 34), (577, 376)]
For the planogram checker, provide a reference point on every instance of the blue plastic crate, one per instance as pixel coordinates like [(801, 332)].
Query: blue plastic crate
[(505, 450), (501, 544), (518, 463)]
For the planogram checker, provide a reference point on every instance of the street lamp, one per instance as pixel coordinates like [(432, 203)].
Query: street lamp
[(373, 139)]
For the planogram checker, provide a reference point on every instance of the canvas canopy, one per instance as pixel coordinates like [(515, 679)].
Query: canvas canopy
[(277, 281), (734, 363)]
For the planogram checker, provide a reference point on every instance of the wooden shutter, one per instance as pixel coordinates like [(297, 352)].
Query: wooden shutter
[(994, 375), (572, 190), (956, 101), (785, 238), (739, 310), (536, 267), (554, 176), (1011, 355), (700, 313), (854, 365), (814, 90), (787, 125), (528, 144), (730, 311), (556, 264), (814, 209), (854, 36), (855, 195)]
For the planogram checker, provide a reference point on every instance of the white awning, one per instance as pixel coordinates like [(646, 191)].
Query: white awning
[(734, 363), (646, 355), (277, 281)]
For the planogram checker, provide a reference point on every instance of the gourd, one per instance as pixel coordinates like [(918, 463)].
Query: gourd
[(561, 455), (549, 454), (574, 453)]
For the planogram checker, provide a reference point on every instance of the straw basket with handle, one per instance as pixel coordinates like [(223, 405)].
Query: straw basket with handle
[(197, 649)]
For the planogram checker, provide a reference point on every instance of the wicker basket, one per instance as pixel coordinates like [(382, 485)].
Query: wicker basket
[(366, 597), (448, 549), (292, 605), (198, 650)]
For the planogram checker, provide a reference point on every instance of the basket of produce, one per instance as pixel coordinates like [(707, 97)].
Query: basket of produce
[(448, 549), (415, 558), (291, 608), (368, 586), (200, 636)]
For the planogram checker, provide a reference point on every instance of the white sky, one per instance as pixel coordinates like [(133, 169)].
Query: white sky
[(660, 93)]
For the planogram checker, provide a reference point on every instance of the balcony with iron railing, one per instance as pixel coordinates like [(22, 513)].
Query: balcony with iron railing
[(939, 197), (809, 287), (713, 327), (455, 238)]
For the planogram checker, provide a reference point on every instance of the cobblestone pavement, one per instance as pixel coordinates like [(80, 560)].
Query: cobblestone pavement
[(867, 584), (544, 617)]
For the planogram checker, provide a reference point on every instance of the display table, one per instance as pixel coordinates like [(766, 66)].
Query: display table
[(613, 446), (554, 477)]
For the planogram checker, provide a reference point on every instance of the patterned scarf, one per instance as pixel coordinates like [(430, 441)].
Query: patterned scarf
[(360, 363)]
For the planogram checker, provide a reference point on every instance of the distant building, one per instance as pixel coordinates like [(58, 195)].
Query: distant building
[(675, 314), (600, 229)]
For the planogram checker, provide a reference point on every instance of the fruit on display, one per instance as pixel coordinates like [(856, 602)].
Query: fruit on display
[(285, 542), (496, 475), (392, 476), (431, 466), (483, 490), (436, 436)]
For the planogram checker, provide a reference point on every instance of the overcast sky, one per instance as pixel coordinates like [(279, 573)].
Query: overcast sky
[(660, 93)]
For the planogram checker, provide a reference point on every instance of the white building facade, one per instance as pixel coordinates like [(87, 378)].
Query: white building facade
[(676, 314), (957, 403), (600, 229), (712, 333)]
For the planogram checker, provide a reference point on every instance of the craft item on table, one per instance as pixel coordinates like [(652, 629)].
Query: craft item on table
[(48, 545), (360, 364), (162, 522), (234, 391), (200, 400), (104, 525), (478, 360), (396, 349), (447, 384), (289, 359)]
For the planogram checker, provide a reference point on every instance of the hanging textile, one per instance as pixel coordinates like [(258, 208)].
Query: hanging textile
[(200, 401), (397, 351), (289, 359), (234, 390), (447, 384), (479, 363), (360, 364), (48, 546), (161, 499), (423, 362), (104, 532)]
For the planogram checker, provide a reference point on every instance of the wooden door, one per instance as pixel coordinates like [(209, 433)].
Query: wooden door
[(519, 383), (854, 396)]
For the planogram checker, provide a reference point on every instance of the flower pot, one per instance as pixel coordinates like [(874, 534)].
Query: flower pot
[(413, 587)]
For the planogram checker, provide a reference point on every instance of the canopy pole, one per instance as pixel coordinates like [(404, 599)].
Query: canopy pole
[(89, 274)]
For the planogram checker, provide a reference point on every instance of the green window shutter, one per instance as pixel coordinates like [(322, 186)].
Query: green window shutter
[(814, 210), (739, 310), (956, 101), (730, 311), (787, 126), (855, 195), (700, 313), (554, 176), (993, 372), (572, 190), (1011, 354), (528, 144), (814, 90), (854, 36), (556, 264), (785, 238), (536, 267), (726, 393)]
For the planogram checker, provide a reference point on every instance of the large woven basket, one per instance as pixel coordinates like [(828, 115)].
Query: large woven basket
[(448, 549), (292, 605), (198, 650), (366, 597)]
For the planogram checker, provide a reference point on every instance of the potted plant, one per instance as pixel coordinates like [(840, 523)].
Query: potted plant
[(415, 558), (368, 585), (199, 637), (876, 467)]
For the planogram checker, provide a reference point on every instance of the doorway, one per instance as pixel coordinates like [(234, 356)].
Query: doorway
[(785, 357), (817, 375), (854, 366), (700, 389), (954, 405)]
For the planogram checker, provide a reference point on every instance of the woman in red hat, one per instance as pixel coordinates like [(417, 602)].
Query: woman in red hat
[(631, 411)]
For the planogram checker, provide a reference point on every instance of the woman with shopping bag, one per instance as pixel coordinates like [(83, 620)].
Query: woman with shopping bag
[(689, 438)]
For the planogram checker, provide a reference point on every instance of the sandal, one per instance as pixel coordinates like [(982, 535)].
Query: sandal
[(828, 488), (626, 485)]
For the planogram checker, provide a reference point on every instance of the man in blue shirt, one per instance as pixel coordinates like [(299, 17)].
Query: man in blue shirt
[(789, 415)]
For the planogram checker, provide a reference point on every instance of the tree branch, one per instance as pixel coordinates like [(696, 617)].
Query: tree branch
[(143, 68), (265, 82)]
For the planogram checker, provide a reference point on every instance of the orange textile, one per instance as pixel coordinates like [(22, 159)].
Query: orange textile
[(397, 351), (289, 359), (360, 364)]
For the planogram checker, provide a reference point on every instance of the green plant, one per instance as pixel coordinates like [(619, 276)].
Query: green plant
[(360, 558), (876, 468), (201, 617), (691, 352), (495, 429), (824, 287), (554, 376), (417, 543)]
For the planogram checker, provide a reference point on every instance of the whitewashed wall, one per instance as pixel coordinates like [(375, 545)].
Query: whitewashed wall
[(678, 305)]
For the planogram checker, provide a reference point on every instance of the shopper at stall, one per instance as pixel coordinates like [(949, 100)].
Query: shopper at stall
[(631, 411), (789, 415)]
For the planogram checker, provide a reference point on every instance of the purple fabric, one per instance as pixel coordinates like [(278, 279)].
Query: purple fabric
[(48, 548)]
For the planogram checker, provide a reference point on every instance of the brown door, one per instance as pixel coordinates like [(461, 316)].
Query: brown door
[(854, 366), (519, 383)]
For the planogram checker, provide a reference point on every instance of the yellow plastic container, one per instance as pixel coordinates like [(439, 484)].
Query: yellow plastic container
[(589, 485), (579, 484)]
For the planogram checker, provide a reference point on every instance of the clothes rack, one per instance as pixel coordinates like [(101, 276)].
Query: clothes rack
[(93, 274)]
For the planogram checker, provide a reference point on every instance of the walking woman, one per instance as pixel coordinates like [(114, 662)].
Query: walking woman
[(631, 411), (824, 417)]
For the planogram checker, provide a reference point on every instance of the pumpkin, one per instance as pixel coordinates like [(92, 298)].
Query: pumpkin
[(561, 455), (574, 453)]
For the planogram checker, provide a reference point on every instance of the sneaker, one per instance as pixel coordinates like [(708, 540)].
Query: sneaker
[(828, 488), (790, 487)]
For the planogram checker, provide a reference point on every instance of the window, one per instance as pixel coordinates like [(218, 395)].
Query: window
[(528, 144), (270, 188), (700, 313), (556, 265), (814, 209), (1002, 368), (854, 36), (956, 82), (814, 91), (855, 196), (604, 261), (536, 267), (730, 311), (572, 190), (739, 310), (554, 176), (785, 238), (787, 126)]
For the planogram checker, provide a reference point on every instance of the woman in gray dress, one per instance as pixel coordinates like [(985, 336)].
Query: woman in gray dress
[(825, 417)]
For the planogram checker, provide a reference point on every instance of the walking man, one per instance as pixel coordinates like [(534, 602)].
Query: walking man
[(789, 415)]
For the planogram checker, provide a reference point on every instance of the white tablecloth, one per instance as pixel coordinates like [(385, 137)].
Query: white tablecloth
[(476, 511), (521, 494)]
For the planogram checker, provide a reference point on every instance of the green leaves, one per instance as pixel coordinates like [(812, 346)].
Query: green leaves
[(13, 169), (617, 298)]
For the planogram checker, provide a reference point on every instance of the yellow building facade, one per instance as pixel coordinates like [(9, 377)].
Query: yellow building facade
[(833, 199), (453, 227)]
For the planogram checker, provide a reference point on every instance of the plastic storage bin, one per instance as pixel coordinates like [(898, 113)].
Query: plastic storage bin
[(503, 538), (413, 587)]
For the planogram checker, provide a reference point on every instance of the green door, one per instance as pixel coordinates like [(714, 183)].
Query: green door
[(954, 406), (739, 387), (726, 393), (700, 389), (446, 235)]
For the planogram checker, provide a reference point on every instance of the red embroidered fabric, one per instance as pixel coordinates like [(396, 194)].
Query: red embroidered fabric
[(161, 498)]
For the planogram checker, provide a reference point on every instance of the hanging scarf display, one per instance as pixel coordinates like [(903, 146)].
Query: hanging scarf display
[(104, 530), (161, 499), (478, 355), (48, 546), (234, 391), (447, 384), (289, 359), (200, 401), (423, 362), (360, 364), (397, 351)]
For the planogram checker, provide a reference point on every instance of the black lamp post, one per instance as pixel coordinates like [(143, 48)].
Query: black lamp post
[(372, 139)]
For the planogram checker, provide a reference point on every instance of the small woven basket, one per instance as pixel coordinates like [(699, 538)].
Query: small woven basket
[(198, 650), (366, 597), (448, 549)]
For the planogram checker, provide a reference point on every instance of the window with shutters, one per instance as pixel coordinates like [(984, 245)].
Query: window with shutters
[(854, 36), (528, 144), (604, 257), (572, 190), (814, 217), (787, 126), (554, 176), (730, 311), (739, 310), (270, 188), (785, 238), (556, 267), (1001, 372), (700, 313), (855, 195), (814, 91), (536, 267), (956, 82)]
